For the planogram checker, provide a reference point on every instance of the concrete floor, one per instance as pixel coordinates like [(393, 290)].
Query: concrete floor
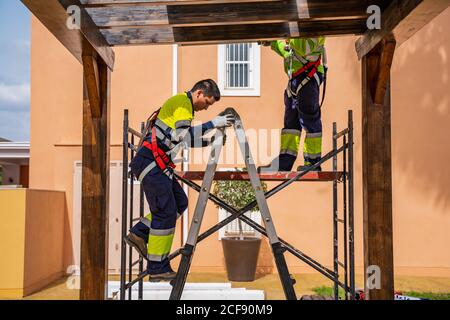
[(269, 283)]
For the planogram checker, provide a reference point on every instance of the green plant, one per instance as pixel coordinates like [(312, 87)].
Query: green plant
[(237, 194), (328, 291)]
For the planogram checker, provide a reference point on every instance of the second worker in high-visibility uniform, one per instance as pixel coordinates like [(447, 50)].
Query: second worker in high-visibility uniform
[(305, 65), (167, 200)]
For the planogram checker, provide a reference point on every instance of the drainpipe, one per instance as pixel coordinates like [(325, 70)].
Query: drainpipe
[(185, 163)]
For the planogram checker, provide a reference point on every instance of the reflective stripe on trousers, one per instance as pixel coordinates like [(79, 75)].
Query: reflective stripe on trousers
[(301, 112), (167, 201), (290, 141), (312, 150)]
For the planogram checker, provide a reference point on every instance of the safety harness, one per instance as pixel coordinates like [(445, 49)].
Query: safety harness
[(311, 67), (162, 160)]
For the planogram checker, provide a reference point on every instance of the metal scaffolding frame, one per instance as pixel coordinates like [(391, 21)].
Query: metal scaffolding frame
[(279, 246)]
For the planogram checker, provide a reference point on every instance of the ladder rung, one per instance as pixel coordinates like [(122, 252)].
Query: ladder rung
[(136, 219), (341, 220), (341, 264), (136, 262), (132, 147)]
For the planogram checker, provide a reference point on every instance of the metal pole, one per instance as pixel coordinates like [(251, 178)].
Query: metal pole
[(335, 217), (141, 215), (344, 188), (130, 256), (268, 194), (123, 253), (239, 214), (351, 203), (297, 253)]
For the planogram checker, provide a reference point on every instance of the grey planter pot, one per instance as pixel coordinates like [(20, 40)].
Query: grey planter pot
[(241, 257)]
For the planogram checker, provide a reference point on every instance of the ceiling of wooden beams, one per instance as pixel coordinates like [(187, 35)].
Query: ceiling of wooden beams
[(139, 22)]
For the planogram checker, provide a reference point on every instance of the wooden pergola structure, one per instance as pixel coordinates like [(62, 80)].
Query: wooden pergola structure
[(108, 23)]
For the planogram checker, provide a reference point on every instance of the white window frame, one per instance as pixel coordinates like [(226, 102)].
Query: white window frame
[(232, 229), (254, 90)]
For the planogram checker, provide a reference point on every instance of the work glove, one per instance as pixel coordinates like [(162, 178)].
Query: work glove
[(223, 121)]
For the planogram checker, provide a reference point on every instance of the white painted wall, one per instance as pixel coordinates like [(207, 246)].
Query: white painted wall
[(115, 214)]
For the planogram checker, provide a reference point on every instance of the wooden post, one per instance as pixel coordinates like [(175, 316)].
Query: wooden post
[(377, 168), (95, 178)]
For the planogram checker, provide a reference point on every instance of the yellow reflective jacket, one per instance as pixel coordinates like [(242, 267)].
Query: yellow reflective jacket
[(309, 49)]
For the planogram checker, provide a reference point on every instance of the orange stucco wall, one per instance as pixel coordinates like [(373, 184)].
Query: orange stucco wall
[(142, 80)]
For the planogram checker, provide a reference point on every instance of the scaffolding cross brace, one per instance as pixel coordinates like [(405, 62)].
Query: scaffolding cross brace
[(278, 245)]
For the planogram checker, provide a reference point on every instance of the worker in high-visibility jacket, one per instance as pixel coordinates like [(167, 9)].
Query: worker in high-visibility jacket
[(305, 65), (153, 166)]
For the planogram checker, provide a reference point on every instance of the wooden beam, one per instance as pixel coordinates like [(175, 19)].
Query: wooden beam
[(53, 14), (384, 69), (403, 18), (229, 33), (104, 3), (91, 77), (95, 189), (219, 14), (377, 173)]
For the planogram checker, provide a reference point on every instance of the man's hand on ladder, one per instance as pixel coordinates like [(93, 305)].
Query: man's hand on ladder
[(226, 120)]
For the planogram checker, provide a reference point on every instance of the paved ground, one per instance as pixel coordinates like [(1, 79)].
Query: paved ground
[(269, 283)]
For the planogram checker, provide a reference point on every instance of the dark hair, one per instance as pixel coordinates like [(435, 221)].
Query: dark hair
[(209, 87)]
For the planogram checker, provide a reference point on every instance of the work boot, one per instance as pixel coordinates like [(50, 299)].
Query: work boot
[(304, 168), (165, 273), (165, 276), (137, 243), (270, 168)]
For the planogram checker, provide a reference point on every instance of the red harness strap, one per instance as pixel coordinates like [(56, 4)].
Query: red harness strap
[(313, 65), (161, 158)]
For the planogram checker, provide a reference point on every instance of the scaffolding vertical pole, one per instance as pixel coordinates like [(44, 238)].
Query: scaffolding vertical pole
[(141, 215), (130, 249), (335, 217), (123, 252), (351, 204), (130, 254), (344, 188)]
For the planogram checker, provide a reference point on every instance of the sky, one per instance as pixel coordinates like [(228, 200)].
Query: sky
[(14, 71)]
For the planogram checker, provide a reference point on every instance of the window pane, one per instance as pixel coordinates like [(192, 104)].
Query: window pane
[(228, 84), (238, 60), (246, 76), (236, 74), (241, 76), (241, 52)]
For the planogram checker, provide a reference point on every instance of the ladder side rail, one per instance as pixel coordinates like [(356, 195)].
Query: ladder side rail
[(189, 247), (277, 249)]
